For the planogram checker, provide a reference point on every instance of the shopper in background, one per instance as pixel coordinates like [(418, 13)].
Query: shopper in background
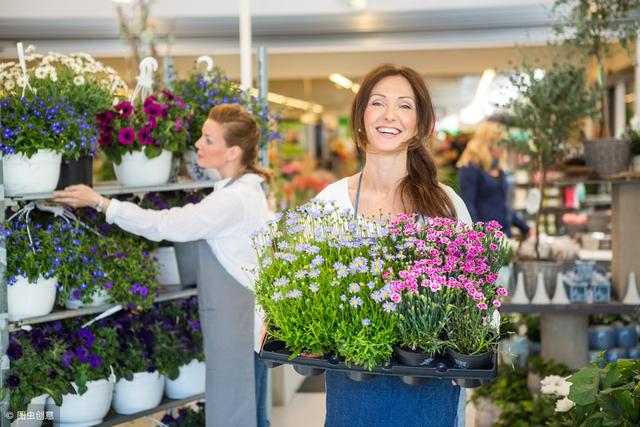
[(225, 219), (482, 180), (392, 120)]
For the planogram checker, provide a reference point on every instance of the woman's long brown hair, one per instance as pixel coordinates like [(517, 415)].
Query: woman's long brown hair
[(419, 190), (242, 130)]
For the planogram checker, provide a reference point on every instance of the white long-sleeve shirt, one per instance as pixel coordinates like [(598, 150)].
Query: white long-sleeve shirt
[(226, 219), (338, 192)]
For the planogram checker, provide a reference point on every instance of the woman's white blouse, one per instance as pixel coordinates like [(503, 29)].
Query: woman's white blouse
[(226, 219), (338, 192)]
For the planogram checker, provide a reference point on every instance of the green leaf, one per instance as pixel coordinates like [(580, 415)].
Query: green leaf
[(613, 376), (584, 387)]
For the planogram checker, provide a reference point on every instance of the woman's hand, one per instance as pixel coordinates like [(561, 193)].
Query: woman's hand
[(80, 196)]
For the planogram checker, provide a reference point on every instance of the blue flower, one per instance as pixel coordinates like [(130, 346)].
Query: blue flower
[(294, 293), (300, 274), (283, 281), (354, 288), (277, 296), (388, 307), (313, 274), (366, 322), (314, 288), (355, 302), (317, 261)]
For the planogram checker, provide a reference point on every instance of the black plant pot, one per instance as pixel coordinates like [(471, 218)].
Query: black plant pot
[(359, 376), (409, 357), (76, 172), (471, 361), (410, 380), (308, 371)]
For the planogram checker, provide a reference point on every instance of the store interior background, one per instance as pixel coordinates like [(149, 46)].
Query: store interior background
[(461, 47)]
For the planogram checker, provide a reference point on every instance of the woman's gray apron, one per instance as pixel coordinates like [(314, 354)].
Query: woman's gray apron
[(226, 315)]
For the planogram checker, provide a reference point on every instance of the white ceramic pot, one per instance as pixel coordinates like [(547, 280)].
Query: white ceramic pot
[(165, 257), (100, 297), (196, 172), (136, 170), (26, 299), (190, 381), (84, 410), (38, 174), (35, 409), (142, 393), (636, 163)]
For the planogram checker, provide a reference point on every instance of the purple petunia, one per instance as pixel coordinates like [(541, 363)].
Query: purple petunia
[(124, 108), (126, 136), (14, 351), (12, 381), (86, 336), (144, 136), (95, 361), (82, 354)]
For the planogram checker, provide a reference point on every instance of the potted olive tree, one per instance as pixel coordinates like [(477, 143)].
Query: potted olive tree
[(549, 109), (594, 27)]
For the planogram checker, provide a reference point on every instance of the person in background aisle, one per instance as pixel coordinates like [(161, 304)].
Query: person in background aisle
[(225, 219), (392, 120), (482, 180)]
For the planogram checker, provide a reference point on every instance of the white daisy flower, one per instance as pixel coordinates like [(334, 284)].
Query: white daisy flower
[(21, 81), (30, 49), (9, 84), (41, 72), (564, 405), (53, 76), (78, 80)]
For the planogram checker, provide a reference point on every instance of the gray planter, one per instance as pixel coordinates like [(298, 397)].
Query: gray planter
[(607, 156), (187, 256), (530, 269)]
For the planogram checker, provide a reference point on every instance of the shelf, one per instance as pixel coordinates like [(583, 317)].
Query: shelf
[(112, 188), (595, 255), (113, 419), (166, 295), (611, 308)]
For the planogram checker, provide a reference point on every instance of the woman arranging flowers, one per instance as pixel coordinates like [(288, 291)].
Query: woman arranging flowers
[(226, 219), (392, 120)]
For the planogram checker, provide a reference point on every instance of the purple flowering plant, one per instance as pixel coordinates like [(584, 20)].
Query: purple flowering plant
[(204, 90), (158, 123), (90, 351), (178, 335), (320, 284), (186, 417), (35, 248), (34, 369)]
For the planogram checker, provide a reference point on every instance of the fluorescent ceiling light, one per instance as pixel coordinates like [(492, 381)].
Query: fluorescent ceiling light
[(290, 102), (344, 82)]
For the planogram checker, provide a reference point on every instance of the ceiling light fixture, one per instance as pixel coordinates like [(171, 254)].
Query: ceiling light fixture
[(344, 82), (290, 102)]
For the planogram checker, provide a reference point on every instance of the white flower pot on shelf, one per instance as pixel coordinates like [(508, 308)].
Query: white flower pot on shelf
[(37, 405), (165, 257), (26, 299), (196, 172), (190, 381), (136, 170), (142, 393), (38, 174), (100, 297), (84, 410)]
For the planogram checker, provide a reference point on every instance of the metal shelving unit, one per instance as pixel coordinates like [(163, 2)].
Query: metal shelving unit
[(611, 308), (107, 189), (113, 419)]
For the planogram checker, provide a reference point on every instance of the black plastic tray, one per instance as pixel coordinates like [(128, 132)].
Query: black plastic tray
[(274, 353)]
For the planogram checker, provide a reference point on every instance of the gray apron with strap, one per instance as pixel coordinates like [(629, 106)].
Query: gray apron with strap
[(226, 315)]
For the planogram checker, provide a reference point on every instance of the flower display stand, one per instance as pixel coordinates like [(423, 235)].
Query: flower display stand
[(274, 353)]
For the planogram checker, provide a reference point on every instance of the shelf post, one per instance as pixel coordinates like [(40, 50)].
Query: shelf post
[(4, 310)]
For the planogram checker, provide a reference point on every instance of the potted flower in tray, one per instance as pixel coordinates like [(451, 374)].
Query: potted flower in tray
[(204, 90), (27, 382), (320, 283), (35, 260), (179, 350), (595, 27), (78, 84), (140, 137), (447, 284), (549, 109), (86, 366), (139, 384)]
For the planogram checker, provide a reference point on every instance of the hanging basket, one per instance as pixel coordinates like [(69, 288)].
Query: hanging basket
[(190, 382), (136, 170), (142, 393), (607, 156), (36, 174), (87, 409), (31, 299)]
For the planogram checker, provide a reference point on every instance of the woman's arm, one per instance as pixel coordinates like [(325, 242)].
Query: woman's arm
[(207, 219)]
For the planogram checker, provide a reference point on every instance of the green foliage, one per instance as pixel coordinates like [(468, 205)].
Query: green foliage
[(187, 417), (510, 393), (549, 109), (608, 396), (421, 320)]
